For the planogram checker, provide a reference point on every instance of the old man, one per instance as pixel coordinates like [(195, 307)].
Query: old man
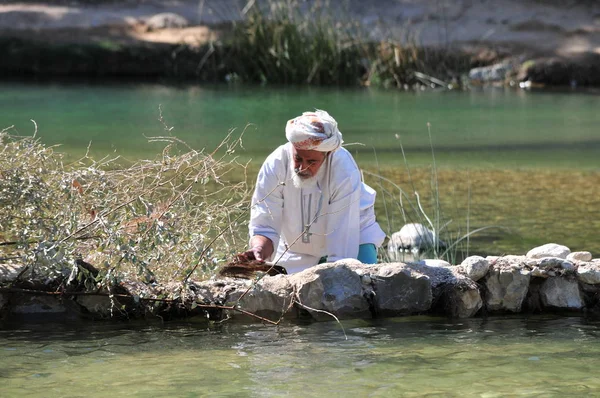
[(310, 205)]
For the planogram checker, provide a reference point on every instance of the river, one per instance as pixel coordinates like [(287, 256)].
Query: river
[(523, 161), (539, 356), (522, 164)]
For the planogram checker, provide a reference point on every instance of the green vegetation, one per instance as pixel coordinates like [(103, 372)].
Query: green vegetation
[(279, 42), (286, 42), (162, 220)]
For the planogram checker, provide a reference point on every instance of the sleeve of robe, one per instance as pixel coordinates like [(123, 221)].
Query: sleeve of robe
[(267, 202), (343, 213)]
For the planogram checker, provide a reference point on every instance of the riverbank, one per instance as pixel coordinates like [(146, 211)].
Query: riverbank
[(544, 42), (549, 278)]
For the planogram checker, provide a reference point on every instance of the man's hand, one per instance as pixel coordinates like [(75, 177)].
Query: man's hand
[(261, 248)]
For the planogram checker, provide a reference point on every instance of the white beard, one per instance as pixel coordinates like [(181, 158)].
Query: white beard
[(306, 182)]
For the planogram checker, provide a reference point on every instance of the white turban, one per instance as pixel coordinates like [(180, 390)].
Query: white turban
[(316, 131)]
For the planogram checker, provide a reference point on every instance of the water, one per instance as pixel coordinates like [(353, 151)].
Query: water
[(411, 356), (524, 162), (497, 127)]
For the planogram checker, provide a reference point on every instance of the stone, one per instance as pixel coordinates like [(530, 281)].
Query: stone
[(400, 289), (561, 293), (270, 296), (492, 73), (580, 256), (463, 300), (549, 250), (539, 273), (165, 20), (506, 288), (549, 263), (434, 262), (99, 306), (589, 273), (336, 289), (414, 237), (29, 304), (475, 267)]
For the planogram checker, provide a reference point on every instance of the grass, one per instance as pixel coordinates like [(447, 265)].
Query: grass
[(316, 43), (449, 241)]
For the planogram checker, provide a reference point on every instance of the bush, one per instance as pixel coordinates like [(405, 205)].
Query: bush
[(155, 220)]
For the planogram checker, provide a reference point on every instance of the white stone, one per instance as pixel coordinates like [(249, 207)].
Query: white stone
[(580, 256), (413, 236), (561, 293), (589, 273), (475, 267), (549, 250), (507, 288), (432, 262)]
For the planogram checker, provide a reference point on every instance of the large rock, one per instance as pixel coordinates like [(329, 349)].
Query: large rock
[(413, 237), (579, 257), (506, 288), (333, 288), (549, 250), (400, 289), (475, 267), (453, 294), (589, 273), (271, 296), (561, 293), (489, 74)]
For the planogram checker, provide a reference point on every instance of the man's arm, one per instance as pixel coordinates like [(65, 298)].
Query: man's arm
[(261, 248), (267, 207)]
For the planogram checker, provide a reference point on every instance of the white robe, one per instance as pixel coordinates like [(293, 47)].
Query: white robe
[(329, 219)]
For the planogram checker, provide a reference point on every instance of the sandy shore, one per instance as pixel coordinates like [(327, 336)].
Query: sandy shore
[(537, 27)]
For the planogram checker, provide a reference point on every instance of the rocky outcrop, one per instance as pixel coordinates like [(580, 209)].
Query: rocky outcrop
[(548, 278)]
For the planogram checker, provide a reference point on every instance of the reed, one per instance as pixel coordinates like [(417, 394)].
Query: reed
[(403, 204), (298, 42)]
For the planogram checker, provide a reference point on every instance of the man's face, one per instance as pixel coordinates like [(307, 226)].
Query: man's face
[(308, 162)]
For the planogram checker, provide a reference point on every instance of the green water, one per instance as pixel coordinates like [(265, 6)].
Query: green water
[(526, 162), (496, 127), (412, 356)]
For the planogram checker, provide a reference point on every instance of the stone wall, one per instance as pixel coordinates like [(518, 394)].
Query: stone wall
[(548, 278)]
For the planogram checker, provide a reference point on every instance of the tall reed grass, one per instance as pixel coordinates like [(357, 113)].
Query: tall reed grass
[(416, 199), (299, 42)]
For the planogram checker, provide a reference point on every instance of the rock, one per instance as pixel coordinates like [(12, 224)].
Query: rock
[(336, 289), (506, 288), (29, 304), (165, 20), (464, 299), (552, 263), (400, 289), (579, 69), (539, 273), (492, 73), (271, 296), (99, 306), (433, 262), (580, 256), (475, 267), (589, 273), (414, 237), (561, 293), (549, 250)]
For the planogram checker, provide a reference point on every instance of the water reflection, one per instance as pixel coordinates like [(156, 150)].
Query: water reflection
[(415, 355)]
